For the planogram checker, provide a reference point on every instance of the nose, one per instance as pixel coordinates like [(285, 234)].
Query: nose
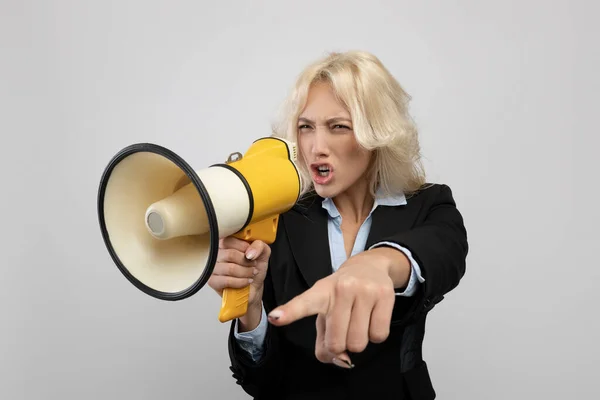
[(320, 146)]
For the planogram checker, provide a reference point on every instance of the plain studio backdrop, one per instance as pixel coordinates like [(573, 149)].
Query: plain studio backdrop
[(505, 94)]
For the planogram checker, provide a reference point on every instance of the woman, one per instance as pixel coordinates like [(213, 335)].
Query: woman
[(338, 302)]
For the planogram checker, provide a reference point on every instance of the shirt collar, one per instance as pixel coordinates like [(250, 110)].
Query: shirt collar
[(380, 200)]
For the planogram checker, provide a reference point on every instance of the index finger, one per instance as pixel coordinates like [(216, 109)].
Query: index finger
[(312, 302), (231, 242)]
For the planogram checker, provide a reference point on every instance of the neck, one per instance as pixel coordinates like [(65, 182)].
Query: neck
[(355, 203)]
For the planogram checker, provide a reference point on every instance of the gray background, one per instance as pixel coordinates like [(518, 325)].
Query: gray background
[(506, 97)]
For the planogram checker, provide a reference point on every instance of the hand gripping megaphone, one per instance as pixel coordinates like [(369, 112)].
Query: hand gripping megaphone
[(161, 220)]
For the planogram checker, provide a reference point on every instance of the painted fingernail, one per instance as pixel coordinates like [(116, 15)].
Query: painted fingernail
[(343, 363), (275, 314), (251, 254), (250, 280)]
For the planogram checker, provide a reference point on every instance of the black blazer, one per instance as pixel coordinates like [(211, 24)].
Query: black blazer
[(431, 227)]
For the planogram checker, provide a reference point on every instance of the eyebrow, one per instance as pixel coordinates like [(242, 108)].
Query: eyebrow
[(330, 120)]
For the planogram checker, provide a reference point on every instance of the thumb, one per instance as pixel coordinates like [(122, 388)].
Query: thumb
[(312, 302), (258, 250)]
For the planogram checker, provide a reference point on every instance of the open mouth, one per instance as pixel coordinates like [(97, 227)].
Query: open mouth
[(322, 173)]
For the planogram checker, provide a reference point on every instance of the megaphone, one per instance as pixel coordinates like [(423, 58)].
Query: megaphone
[(161, 220)]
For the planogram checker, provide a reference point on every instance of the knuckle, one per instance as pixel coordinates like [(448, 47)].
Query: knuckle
[(225, 254), (390, 296), (236, 257), (346, 284), (356, 346), (220, 268), (335, 347), (377, 292), (381, 290), (371, 290), (231, 269), (215, 283), (232, 282), (387, 289), (379, 335), (321, 354)]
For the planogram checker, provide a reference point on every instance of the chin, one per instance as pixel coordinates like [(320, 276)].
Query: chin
[(326, 190)]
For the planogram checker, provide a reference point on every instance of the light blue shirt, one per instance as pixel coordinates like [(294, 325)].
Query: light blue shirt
[(252, 341)]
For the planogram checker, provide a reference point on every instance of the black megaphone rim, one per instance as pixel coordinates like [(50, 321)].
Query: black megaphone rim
[(210, 210)]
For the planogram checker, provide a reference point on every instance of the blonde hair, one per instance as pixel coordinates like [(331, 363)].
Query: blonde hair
[(378, 106)]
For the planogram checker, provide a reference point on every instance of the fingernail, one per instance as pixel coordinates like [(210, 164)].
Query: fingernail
[(255, 271), (343, 363), (275, 314), (250, 280), (251, 254)]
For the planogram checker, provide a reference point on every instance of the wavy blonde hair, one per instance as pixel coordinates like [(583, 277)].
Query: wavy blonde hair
[(378, 106)]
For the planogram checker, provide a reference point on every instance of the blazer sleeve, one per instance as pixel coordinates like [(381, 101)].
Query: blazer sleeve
[(258, 377), (439, 245)]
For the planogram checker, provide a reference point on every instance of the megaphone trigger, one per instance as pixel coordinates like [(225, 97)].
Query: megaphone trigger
[(161, 220), (234, 302)]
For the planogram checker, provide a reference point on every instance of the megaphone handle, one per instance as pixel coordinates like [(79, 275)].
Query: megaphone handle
[(234, 303)]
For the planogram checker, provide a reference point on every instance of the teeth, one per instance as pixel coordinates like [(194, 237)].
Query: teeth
[(323, 170)]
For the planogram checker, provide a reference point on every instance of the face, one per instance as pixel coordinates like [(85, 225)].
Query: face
[(327, 144)]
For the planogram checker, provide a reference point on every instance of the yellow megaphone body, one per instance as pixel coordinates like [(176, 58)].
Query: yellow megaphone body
[(161, 220)]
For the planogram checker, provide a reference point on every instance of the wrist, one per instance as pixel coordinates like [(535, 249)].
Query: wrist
[(256, 302), (251, 319), (395, 264)]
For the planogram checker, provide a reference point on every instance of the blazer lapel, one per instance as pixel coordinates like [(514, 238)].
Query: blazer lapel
[(390, 220), (306, 228)]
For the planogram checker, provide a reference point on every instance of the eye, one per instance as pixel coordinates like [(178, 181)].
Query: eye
[(303, 127), (340, 126)]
